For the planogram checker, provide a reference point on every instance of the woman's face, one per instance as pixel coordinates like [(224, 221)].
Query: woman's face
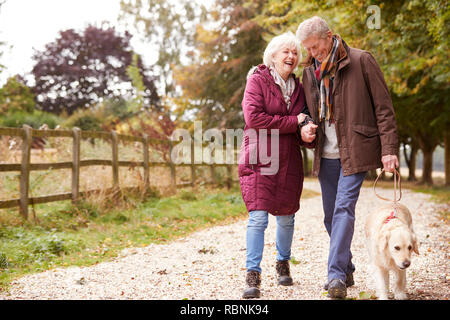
[(285, 60)]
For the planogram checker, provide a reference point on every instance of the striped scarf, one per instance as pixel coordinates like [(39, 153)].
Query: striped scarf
[(326, 77)]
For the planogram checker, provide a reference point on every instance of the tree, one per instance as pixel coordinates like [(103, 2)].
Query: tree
[(16, 96), (1, 42), (412, 47), (228, 44), (168, 28), (83, 68)]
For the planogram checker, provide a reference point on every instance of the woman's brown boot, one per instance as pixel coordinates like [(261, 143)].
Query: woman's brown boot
[(284, 274), (253, 280)]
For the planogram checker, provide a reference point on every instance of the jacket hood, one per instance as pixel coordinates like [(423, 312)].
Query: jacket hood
[(257, 69)]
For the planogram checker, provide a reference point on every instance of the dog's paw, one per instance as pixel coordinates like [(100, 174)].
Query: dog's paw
[(400, 295), (382, 296)]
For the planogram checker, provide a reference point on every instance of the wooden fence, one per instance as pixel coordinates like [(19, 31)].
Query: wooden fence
[(25, 167)]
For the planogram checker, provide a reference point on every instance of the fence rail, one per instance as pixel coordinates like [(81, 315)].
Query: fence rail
[(25, 167)]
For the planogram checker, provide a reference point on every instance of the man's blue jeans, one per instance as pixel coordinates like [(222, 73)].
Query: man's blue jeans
[(257, 224), (339, 196)]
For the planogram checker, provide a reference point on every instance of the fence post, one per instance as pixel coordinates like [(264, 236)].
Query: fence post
[(193, 177), (173, 172), (115, 159), (25, 170), (229, 176), (212, 169), (76, 164), (146, 166)]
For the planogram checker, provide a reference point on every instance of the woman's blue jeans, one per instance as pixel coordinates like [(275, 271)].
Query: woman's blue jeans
[(257, 224)]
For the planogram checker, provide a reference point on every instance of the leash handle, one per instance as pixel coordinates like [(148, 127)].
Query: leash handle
[(396, 173)]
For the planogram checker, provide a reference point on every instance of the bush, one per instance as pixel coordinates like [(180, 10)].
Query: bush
[(48, 245), (187, 195), (85, 120), (35, 120)]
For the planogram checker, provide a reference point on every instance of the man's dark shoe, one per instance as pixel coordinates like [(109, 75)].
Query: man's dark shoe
[(284, 273), (348, 281), (337, 289), (253, 281)]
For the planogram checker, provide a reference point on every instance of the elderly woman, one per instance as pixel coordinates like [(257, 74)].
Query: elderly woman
[(274, 107)]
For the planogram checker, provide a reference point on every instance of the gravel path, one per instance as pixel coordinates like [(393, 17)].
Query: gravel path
[(210, 264)]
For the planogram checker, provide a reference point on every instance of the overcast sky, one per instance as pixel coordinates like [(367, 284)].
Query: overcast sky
[(28, 24)]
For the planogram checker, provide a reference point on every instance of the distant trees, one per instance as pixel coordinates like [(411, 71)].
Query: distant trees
[(16, 96), (411, 44), (79, 69), (202, 58), (228, 43), (17, 106), (168, 28)]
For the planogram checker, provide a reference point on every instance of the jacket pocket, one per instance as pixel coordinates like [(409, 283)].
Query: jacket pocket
[(366, 131), (248, 189), (365, 147)]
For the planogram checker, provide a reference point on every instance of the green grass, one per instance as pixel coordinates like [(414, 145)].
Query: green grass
[(439, 194), (61, 234)]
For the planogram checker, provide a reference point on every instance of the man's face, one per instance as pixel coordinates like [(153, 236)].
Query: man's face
[(318, 47)]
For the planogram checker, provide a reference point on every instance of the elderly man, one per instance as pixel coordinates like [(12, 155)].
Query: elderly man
[(348, 98)]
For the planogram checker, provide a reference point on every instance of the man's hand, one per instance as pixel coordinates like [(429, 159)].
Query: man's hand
[(390, 162), (308, 132)]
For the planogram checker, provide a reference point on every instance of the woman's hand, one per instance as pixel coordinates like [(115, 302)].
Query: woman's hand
[(301, 117)]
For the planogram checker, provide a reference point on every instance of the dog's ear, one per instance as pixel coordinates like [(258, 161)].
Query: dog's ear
[(383, 240), (414, 243)]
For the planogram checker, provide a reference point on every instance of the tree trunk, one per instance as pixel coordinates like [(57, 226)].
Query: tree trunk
[(411, 160), (412, 164), (427, 166), (427, 143)]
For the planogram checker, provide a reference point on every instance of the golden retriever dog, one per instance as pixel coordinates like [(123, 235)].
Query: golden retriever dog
[(391, 241)]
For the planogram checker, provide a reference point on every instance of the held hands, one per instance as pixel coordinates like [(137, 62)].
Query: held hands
[(301, 117), (390, 162), (308, 131)]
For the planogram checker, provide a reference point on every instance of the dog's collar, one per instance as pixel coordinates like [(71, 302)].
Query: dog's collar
[(391, 217)]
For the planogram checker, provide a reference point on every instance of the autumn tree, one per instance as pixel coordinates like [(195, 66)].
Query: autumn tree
[(82, 68), (16, 96), (228, 44), (411, 44), (1, 42), (167, 28)]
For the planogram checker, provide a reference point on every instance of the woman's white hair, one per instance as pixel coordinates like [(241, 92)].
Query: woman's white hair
[(315, 26), (277, 43)]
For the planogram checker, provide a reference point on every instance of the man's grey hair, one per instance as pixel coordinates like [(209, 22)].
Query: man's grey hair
[(277, 43), (315, 26)]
